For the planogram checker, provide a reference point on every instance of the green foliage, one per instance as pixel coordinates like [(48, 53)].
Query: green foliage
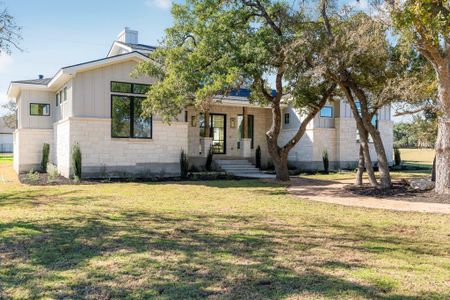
[(420, 133), (45, 155), (184, 164), (32, 176), (76, 162), (397, 157), (209, 160), (326, 163), (258, 157)]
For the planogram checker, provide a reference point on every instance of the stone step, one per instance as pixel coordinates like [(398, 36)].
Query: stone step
[(233, 162), (236, 166), (242, 170)]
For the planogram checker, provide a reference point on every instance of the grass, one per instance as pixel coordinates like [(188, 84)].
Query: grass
[(417, 158), (220, 239), (6, 158)]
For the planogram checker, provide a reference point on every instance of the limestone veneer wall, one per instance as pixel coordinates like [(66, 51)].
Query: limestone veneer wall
[(28, 144), (103, 154)]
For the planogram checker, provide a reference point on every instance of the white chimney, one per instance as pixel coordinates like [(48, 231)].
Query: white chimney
[(128, 36)]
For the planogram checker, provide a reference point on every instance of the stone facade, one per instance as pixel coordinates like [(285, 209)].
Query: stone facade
[(103, 155), (28, 144)]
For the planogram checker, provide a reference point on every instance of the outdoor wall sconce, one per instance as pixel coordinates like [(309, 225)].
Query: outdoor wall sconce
[(193, 121), (232, 122)]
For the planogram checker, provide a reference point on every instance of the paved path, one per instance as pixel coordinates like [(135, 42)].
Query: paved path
[(332, 191)]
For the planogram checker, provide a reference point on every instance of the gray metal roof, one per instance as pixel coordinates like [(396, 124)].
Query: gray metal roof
[(137, 47), (43, 81)]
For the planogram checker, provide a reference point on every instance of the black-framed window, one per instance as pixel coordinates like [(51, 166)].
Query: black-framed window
[(127, 118), (40, 109), (129, 88), (326, 112), (287, 117), (57, 99)]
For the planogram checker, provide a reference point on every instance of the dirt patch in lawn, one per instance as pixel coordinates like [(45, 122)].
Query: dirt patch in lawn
[(400, 191)]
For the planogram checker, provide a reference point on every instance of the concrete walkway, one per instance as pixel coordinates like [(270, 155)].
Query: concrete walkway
[(332, 191)]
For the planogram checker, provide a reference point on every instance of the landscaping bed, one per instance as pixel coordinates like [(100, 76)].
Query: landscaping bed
[(400, 191), (40, 179)]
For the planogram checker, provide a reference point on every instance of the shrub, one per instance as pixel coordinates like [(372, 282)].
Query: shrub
[(184, 164), (32, 176), (209, 159), (397, 157), (45, 155), (258, 157), (326, 163), (52, 173), (76, 162)]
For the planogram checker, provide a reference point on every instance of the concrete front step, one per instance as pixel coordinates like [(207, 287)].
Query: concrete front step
[(235, 171), (232, 162), (241, 168)]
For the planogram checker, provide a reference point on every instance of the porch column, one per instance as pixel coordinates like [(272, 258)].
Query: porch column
[(206, 140), (246, 143)]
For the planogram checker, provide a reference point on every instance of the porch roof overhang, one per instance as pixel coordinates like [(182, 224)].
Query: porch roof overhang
[(241, 102)]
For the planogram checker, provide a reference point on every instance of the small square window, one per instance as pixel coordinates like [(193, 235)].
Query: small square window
[(287, 118), (326, 112), (39, 109)]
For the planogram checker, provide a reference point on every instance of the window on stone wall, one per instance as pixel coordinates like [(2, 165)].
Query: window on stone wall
[(128, 119), (39, 109)]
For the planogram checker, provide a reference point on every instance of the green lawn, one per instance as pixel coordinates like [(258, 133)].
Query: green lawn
[(417, 158), (219, 239), (5, 158)]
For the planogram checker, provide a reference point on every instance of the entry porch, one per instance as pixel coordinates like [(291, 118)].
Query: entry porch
[(232, 131)]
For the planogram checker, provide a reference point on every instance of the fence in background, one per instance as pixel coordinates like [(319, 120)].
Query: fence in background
[(6, 148)]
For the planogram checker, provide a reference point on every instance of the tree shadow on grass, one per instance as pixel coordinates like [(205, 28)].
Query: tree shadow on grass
[(171, 256)]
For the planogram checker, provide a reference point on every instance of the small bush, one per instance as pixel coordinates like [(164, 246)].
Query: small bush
[(209, 160), (45, 155), (32, 176), (76, 162), (326, 163), (397, 157), (184, 164), (258, 157), (52, 173)]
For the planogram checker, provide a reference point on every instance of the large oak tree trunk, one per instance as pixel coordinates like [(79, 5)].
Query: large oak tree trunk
[(443, 138), (360, 169), (383, 164), (364, 140)]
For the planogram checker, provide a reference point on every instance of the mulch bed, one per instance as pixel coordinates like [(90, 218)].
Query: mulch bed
[(399, 191), (60, 180)]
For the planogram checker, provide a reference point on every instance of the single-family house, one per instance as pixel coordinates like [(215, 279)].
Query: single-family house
[(98, 105)]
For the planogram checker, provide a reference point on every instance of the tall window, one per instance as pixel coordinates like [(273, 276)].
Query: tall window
[(127, 117), (39, 109)]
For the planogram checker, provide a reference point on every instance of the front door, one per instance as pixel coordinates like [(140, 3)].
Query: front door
[(218, 133)]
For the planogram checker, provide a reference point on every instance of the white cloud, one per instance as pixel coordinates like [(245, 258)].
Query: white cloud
[(5, 62), (162, 4)]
